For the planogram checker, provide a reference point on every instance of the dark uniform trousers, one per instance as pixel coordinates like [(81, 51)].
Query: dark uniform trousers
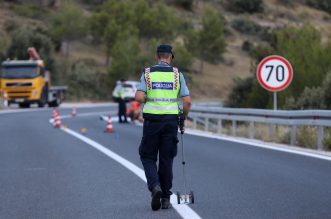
[(122, 110), (159, 140)]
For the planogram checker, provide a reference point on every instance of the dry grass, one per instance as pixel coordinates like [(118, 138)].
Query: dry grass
[(217, 80), (81, 50)]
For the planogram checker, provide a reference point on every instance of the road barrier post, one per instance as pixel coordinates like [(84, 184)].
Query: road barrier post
[(219, 126), (293, 135), (206, 124), (234, 127), (272, 132), (320, 137), (251, 130)]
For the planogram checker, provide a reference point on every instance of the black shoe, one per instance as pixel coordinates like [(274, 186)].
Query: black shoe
[(156, 196), (165, 202)]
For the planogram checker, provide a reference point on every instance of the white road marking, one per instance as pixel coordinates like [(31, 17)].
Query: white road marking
[(8, 111), (262, 145), (87, 114), (87, 105), (183, 210)]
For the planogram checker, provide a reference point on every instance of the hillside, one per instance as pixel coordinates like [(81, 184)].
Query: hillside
[(216, 81)]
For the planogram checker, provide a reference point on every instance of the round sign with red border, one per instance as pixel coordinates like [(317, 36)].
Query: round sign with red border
[(274, 73)]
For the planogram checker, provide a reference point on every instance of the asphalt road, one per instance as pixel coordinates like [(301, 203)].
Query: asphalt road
[(47, 173)]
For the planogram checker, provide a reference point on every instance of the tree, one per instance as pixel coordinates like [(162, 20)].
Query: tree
[(68, 24), (156, 21), (4, 44), (303, 48), (24, 38), (125, 57), (183, 58), (208, 43), (150, 20)]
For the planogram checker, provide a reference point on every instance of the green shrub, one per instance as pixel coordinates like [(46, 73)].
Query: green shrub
[(187, 4), (93, 2), (286, 2), (249, 27), (260, 52), (240, 92), (22, 39), (324, 5), (245, 6), (247, 46), (311, 98), (183, 58), (86, 82), (11, 25), (4, 44), (27, 10), (246, 26)]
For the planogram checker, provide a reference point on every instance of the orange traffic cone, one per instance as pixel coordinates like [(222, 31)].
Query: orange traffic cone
[(109, 127), (74, 112), (57, 121), (54, 113)]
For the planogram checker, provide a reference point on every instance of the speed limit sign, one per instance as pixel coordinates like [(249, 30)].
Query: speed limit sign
[(274, 73)]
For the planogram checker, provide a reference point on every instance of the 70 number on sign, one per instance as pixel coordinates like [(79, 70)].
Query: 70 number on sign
[(280, 72), (274, 73)]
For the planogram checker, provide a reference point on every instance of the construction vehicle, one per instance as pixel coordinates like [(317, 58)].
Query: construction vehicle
[(27, 81)]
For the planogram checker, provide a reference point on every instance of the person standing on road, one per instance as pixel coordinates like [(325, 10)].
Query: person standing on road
[(160, 87), (120, 95)]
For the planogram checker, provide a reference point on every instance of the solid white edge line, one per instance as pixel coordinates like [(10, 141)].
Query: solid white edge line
[(261, 145), (86, 105), (86, 114), (9, 111), (183, 210)]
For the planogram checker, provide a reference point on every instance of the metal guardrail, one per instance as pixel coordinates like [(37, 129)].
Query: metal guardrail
[(320, 118)]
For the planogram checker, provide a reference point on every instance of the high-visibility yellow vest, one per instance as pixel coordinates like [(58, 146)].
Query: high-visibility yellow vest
[(122, 93), (162, 91)]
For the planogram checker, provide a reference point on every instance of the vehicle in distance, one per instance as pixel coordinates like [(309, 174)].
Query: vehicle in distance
[(27, 81), (130, 89)]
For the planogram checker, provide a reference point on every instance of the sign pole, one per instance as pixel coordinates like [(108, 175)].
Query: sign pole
[(275, 100)]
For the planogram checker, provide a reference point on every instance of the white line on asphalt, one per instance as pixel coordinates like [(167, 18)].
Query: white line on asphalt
[(261, 145), (87, 105), (87, 114), (8, 111), (184, 210)]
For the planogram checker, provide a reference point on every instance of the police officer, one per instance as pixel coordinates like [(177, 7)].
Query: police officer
[(160, 87), (120, 95)]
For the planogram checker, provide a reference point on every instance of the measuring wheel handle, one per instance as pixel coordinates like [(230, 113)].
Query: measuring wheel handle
[(192, 197), (178, 197)]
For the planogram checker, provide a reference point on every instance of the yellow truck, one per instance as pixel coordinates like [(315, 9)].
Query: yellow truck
[(26, 81)]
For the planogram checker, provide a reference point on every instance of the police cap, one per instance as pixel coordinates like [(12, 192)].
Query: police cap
[(164, 48)]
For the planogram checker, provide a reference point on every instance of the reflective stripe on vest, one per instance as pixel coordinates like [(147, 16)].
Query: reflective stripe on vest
[(162, 99), (160, 108), (162, 92)]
